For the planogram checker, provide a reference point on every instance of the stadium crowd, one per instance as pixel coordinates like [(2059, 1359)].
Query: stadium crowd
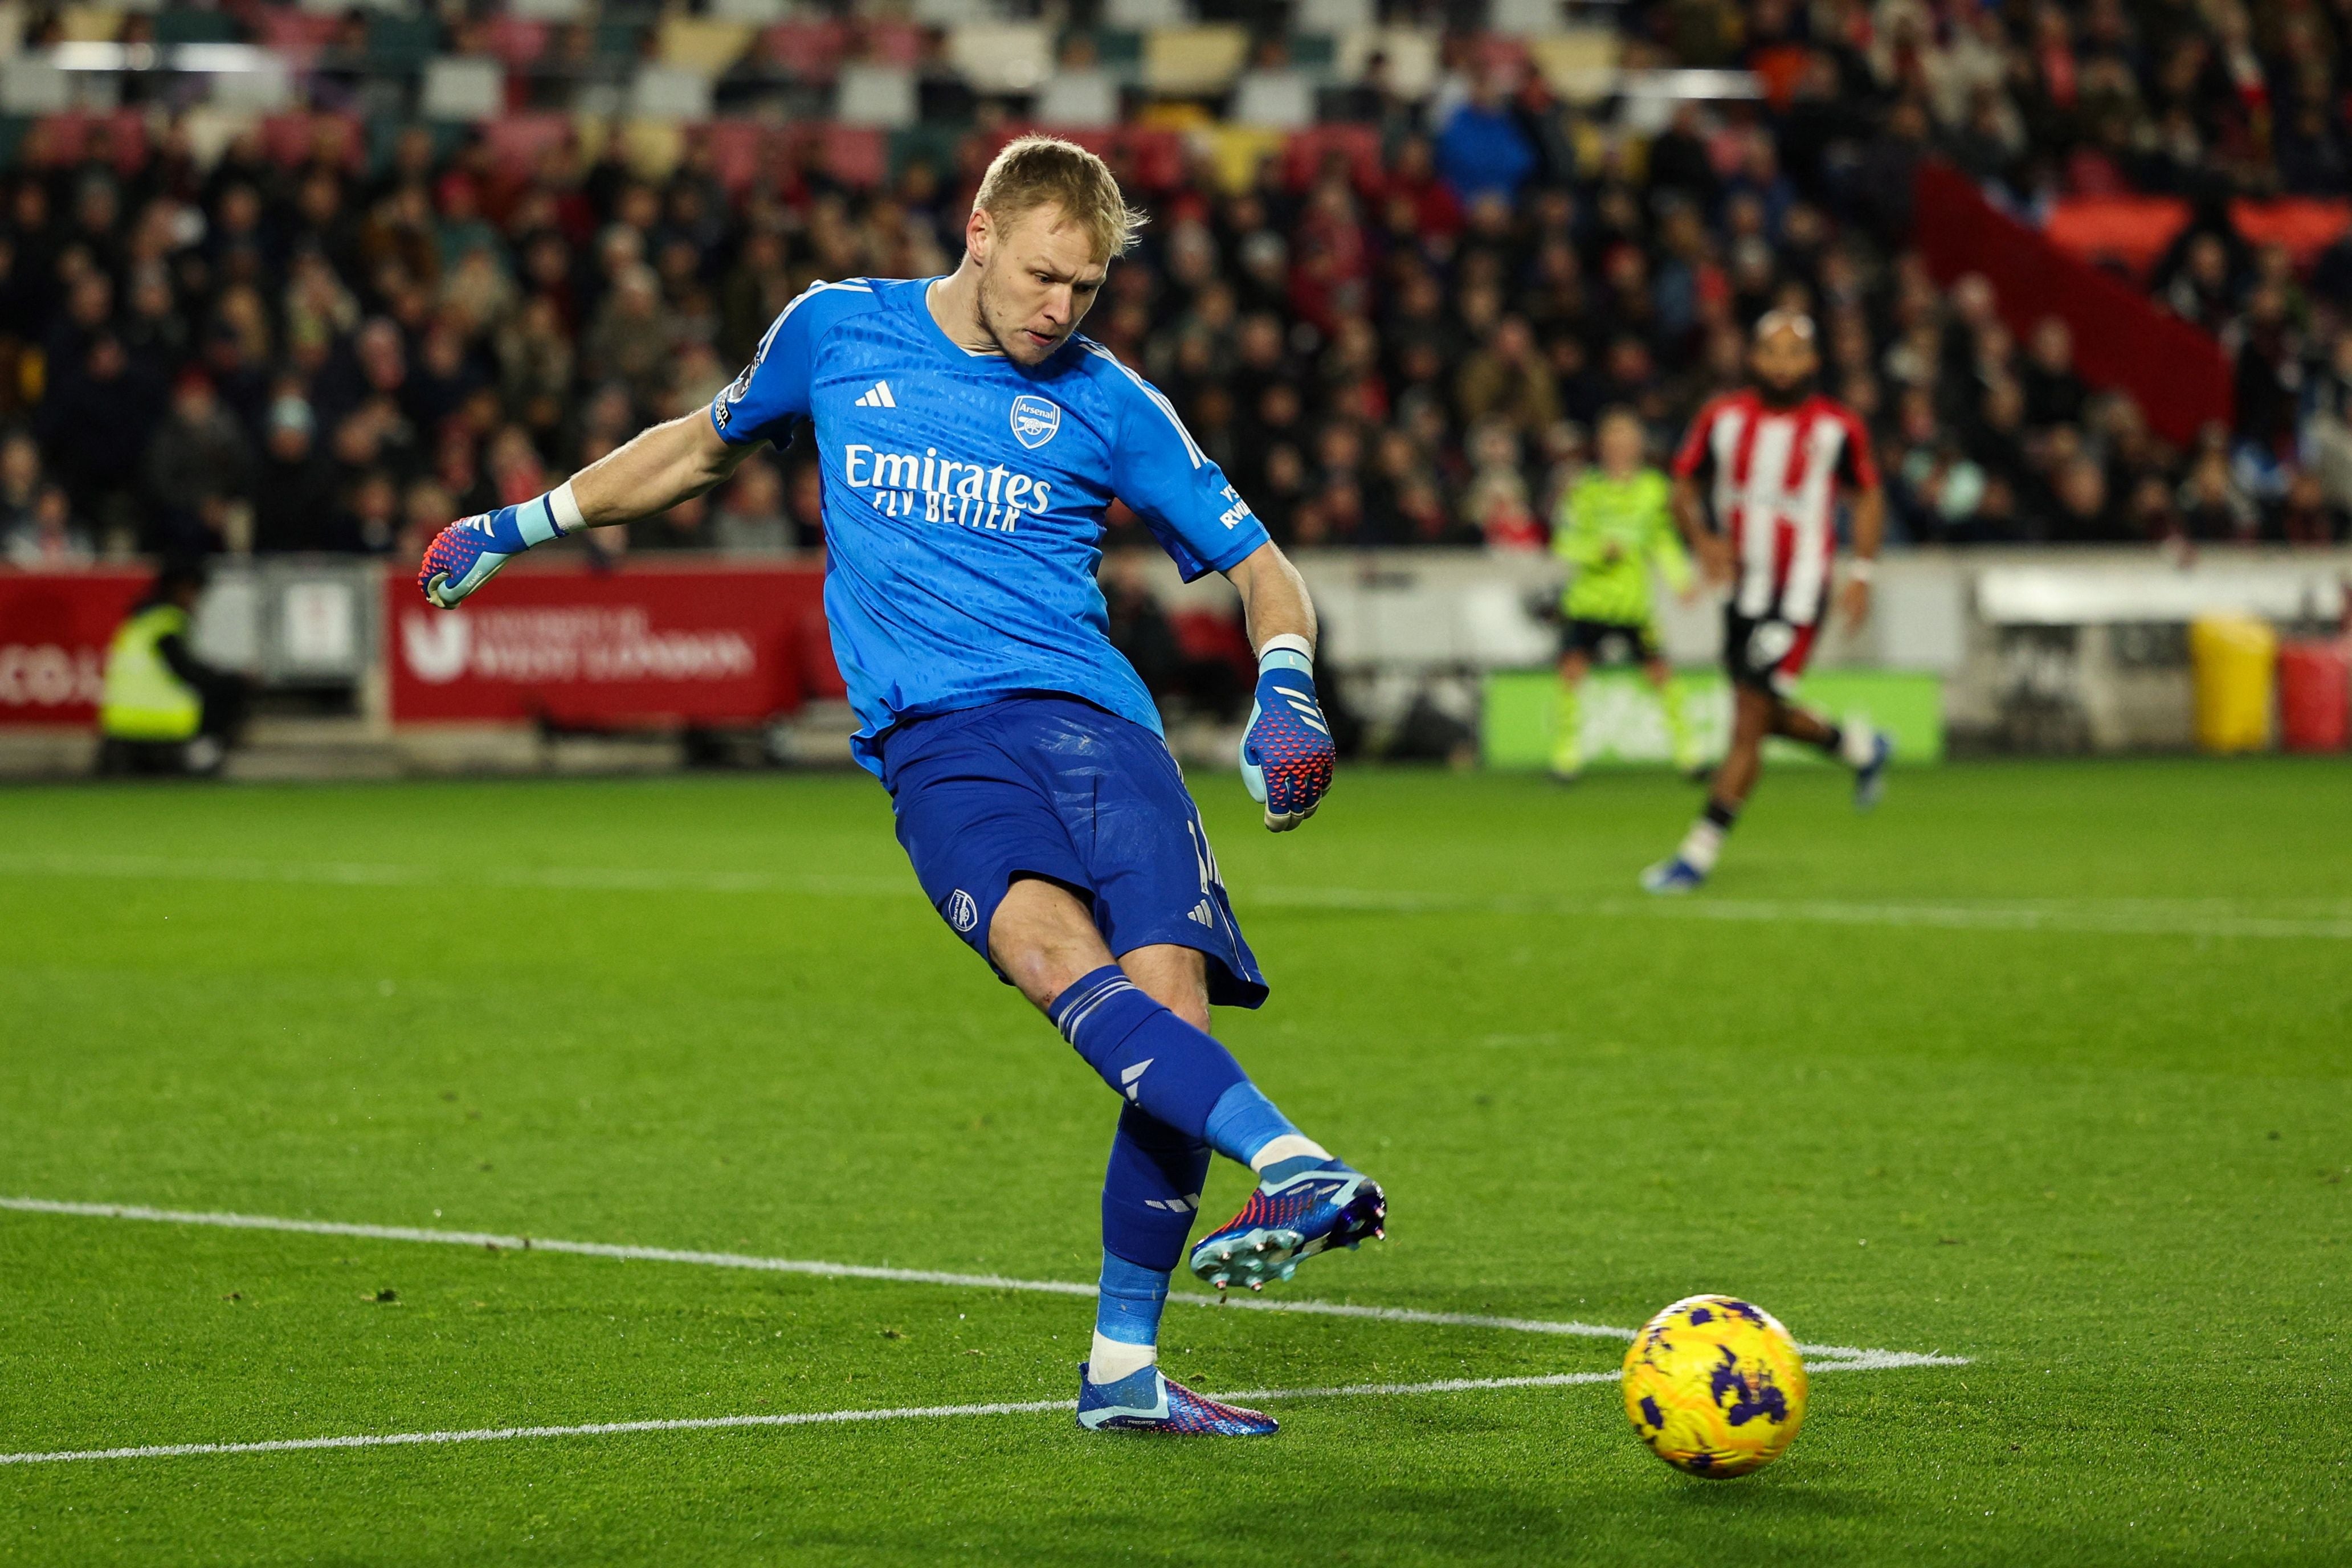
[(303, 352)]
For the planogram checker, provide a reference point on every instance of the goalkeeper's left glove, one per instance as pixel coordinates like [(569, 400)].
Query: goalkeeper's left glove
[(1287, 751), (469, 552)]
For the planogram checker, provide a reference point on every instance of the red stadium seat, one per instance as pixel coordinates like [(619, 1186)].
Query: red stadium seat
[(811, 50), (894, 43), (857, 155), (737, 150), (515, 142), (518, 40), (1306, 153), (68, 138), (290, 139), (301, 36)]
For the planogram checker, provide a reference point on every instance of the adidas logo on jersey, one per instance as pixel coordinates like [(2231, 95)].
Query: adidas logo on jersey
[(877, 396)]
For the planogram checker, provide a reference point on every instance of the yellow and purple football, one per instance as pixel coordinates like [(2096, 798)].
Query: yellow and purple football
[(1715, 1386)]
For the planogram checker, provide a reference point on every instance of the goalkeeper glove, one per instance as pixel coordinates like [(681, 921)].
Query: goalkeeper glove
[(469, 552), (1287, 751)]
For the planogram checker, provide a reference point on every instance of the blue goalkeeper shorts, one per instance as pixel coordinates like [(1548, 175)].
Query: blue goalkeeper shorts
[(1050, 786)]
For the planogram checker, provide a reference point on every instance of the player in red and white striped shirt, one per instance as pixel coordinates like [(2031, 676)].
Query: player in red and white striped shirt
[(1755, 489)]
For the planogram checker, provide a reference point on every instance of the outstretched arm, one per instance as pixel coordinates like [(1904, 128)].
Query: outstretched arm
[(663, 466), (1286, 752)]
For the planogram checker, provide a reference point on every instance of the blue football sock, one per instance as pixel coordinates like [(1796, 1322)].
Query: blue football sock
[(1151, 1189), (1153, 1057), (1132, 1299), (1244, 1121)]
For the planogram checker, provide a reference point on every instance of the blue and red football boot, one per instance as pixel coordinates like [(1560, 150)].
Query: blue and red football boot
[(1288, 1221), (1146, 1400)]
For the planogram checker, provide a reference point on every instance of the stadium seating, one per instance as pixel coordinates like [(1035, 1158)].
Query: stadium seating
[(1328, 289)]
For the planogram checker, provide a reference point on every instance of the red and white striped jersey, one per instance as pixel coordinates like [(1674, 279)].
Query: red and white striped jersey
[(1774, 474)]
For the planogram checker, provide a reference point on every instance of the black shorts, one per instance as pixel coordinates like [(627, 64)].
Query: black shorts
[(1766, 652), (1609, 642)]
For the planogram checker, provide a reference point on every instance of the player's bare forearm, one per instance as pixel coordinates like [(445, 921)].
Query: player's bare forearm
[(662, 465), (1689, 515), (1869, 533), (1869, 522), (1710, 548), (1274, 601)]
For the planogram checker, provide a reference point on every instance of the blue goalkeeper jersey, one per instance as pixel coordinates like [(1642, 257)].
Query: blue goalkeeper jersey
[(964, 497)]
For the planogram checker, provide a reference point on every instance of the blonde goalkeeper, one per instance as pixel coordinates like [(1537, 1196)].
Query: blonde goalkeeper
[(1614, 527)]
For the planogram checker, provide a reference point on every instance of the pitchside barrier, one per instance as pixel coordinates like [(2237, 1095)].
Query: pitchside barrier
[(2021, 650)]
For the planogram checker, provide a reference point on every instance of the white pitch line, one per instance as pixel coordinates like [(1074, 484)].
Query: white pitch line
[(2119, 917), (776, 1265), (2107, 916), (832, 1417), (1872, 1360)]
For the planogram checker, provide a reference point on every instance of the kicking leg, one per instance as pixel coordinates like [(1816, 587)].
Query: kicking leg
[(1139, 1023)]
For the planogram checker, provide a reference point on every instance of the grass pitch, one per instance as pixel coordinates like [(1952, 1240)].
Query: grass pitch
[(2045, 1067)]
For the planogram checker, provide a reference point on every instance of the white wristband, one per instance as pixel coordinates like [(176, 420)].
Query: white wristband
[(551, 516), (565, 508), (1286, 650), (1863, 568)]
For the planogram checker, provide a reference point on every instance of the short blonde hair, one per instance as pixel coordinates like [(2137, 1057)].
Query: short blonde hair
[(1036, 171)]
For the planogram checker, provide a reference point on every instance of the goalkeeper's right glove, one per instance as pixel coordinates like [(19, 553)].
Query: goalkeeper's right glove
[(469, 552), (1286, 752)]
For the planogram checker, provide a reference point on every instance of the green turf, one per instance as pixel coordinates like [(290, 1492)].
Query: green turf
[(2096, 1146)]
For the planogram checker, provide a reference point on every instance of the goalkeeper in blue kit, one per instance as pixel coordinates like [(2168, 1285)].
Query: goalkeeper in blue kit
[(971, 441)]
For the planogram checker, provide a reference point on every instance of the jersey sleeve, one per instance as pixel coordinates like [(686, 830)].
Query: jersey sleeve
[(762, 403), (1856, 466), (1695, 459), (1161, 472)]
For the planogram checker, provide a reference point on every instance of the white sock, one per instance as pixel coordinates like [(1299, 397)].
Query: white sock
[(1115, 1359), (1289, 1146), (1701, 845), (1857, 743)]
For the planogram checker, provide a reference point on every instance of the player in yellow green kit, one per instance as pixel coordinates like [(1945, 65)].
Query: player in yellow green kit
[(1613, 527)]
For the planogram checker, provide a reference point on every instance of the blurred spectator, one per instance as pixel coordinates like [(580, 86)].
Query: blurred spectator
[(48, 539), (2213, 506), (370, 523), (750, 511), (20, 479), (199, 461), (1379, 346), (294, 486)]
